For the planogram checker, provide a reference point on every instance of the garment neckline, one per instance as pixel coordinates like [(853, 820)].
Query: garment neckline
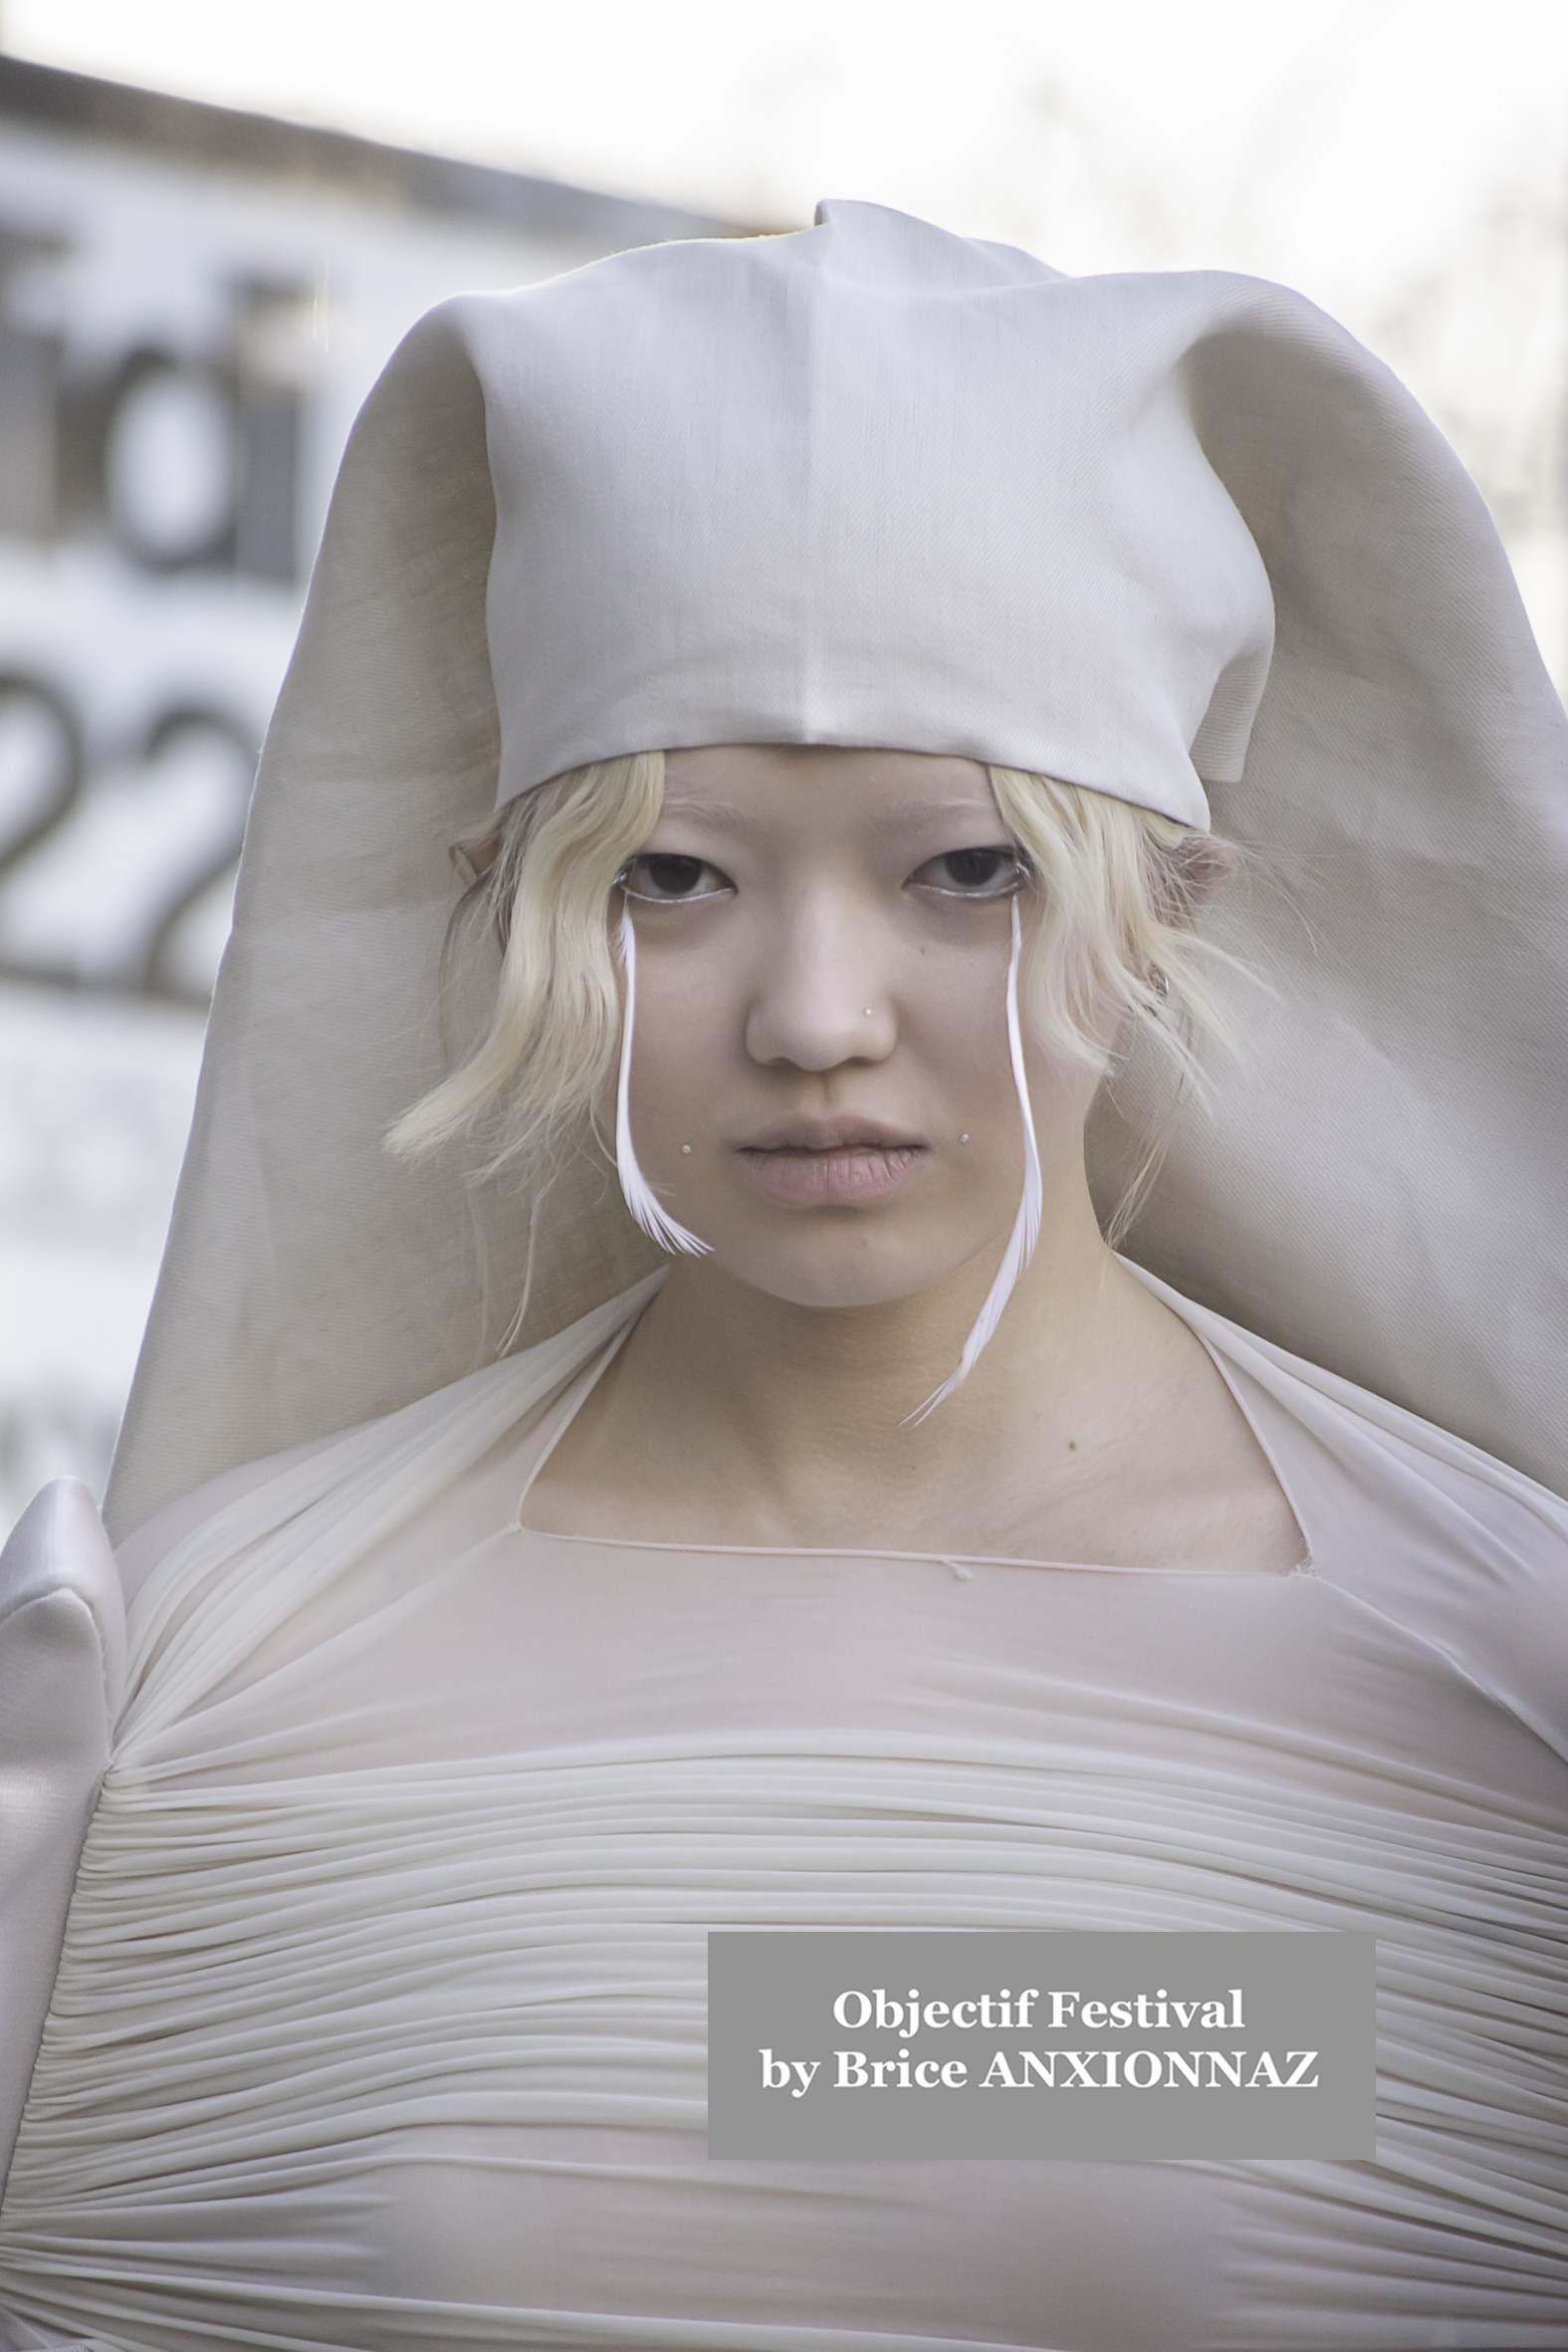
[(569, 1403)]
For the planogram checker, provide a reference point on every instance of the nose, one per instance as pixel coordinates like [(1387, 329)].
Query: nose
[(820, 1000)]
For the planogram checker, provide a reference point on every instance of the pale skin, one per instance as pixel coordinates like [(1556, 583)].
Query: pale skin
[(822, 943)]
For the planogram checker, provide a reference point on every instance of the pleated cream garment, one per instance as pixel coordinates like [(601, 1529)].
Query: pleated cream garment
[(379, 2018)]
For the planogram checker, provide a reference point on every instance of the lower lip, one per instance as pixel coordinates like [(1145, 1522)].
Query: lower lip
[(852, 1178)]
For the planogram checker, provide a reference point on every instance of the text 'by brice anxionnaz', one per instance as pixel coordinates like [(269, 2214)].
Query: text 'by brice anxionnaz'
[(1183, 2059)]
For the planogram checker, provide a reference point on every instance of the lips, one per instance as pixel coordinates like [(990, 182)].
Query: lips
[(831, 1163)]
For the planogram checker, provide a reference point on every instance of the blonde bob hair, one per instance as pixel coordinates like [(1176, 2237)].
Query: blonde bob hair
[(1120, 888)]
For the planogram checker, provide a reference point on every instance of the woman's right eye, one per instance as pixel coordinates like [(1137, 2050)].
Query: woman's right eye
[(662, 879)]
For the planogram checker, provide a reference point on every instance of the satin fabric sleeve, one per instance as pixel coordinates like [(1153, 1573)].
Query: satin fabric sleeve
[(62, 1676)]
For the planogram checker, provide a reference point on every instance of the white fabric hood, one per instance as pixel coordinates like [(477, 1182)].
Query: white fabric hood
[(750, 492), (875, 484)]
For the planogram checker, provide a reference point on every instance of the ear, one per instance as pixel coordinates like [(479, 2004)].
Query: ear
[(472, 857), (1205, 862)]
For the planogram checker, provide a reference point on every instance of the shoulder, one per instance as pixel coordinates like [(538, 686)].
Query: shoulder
[(153, 1542), (1465, 1552), (398, 1461)]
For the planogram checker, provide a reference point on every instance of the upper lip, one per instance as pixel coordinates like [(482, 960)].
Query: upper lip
[(830, 1134)]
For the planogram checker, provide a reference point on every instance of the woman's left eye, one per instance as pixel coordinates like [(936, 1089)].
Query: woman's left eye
[(664, 880), (973, 873)]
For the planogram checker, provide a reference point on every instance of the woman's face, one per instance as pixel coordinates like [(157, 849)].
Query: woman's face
[(820, 1083)]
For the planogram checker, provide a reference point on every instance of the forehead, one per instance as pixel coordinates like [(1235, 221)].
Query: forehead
[(773, 787)]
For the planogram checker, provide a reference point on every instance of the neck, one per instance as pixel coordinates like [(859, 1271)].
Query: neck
[(730, 1405)]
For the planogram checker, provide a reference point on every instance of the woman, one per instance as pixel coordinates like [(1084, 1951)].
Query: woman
[(880, 1562)]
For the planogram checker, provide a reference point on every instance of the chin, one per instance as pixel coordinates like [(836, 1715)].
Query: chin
[(837, 1279)]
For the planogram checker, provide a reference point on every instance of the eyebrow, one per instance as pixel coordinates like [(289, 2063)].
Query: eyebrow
[(732, 819), (961, 812), (717, 813)]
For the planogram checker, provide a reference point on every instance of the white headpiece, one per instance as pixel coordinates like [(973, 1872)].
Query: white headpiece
[(873, 484)]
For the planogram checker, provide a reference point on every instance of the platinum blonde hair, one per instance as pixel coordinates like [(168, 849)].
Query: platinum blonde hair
[(1120, 888)]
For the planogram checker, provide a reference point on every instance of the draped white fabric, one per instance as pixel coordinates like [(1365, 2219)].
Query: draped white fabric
[(379, 2016), (877, 484)]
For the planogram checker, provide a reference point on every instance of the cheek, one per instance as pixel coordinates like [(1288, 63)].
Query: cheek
[(685, 1047), (956, 1036)]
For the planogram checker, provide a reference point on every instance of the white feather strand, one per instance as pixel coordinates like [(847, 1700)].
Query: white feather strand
[(638, 1193), (1026, 1224)]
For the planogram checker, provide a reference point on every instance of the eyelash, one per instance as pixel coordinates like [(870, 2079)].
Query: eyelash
[(646, 861), (1014, 874)]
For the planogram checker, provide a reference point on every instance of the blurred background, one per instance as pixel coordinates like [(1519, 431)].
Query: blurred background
[(215, 224)]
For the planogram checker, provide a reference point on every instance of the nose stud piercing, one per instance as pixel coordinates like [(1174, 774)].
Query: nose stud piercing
[(687, 1149), (963, 1139), (868, 1012)]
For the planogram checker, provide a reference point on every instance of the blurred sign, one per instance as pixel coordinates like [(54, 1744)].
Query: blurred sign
[(164, 454), (193, 304)]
